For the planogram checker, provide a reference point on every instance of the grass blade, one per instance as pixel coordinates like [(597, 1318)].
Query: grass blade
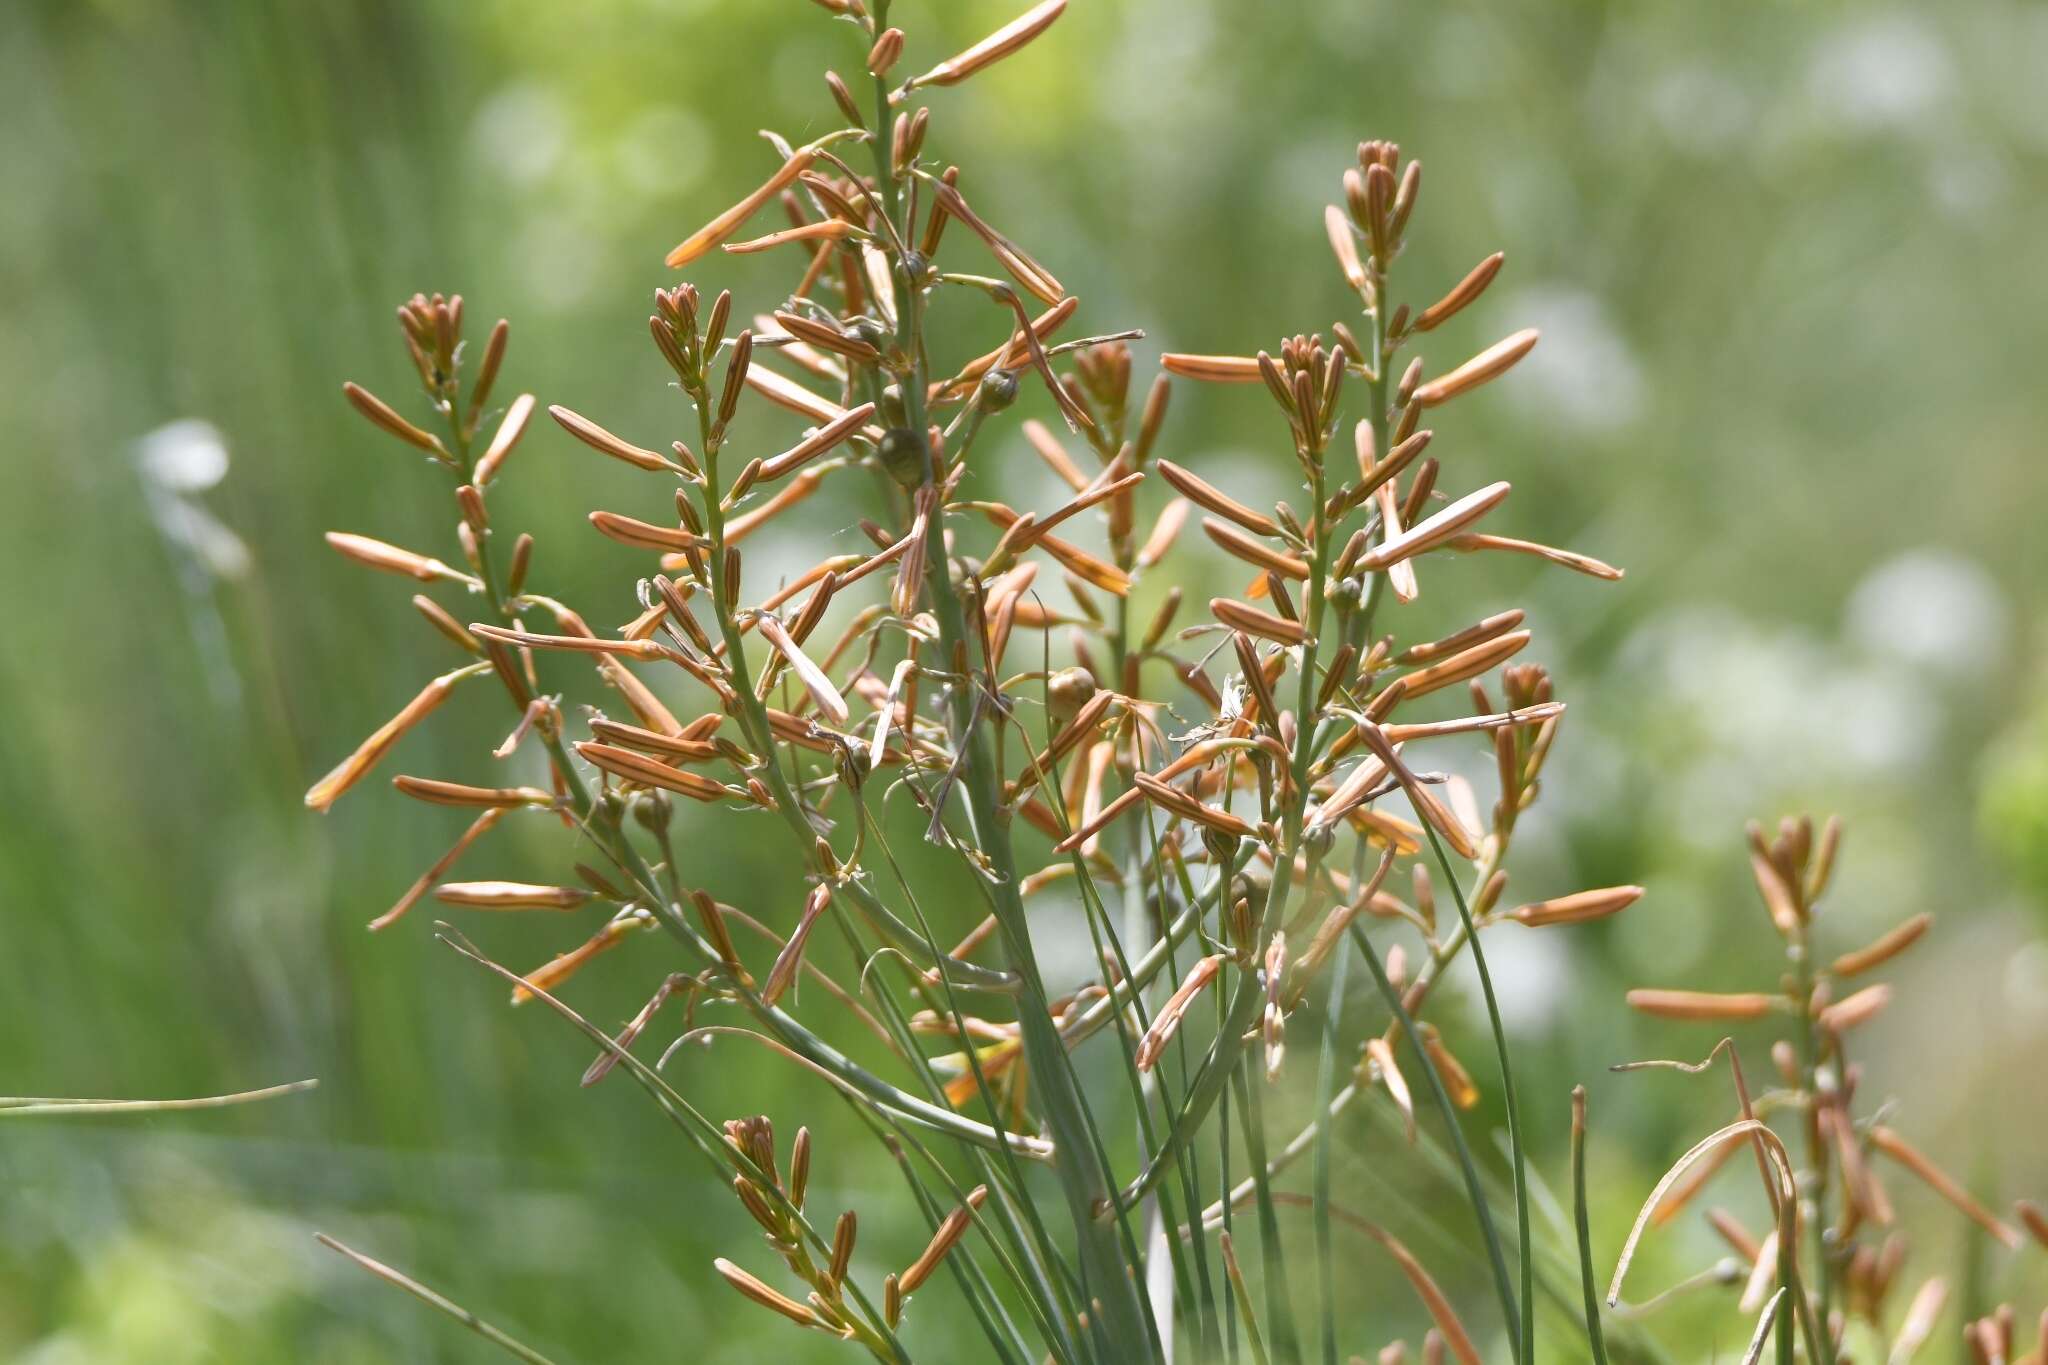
[(427, 1296), (1592, 1294)]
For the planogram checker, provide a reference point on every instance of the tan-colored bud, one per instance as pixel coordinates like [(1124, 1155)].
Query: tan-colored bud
[(1702, 1004), (565, 965), (886, 50), (1887, 947), (1177, 802), (1898, 1149), (790, 960), (510, 896), (822, 692), (1578, 907), (995, 47), (1458, 1082), (1217, 369), (1238, 545), (1462, 293), (1211, 498), (1435, 530), (1263, 624), (646, 772), (1569, 559), (2035, 1221), (643, 535), (1469, 663), (843, 1235), (439, 793), (824, 230), (1167, 1022), (1491, 363), (728, 222), (510, 429), (352, 769), (1344, 246), (1921, 1316), (766, 1297), (383, 416), (1856, 1009), (1382, 1055), (377, 554), (598, 439)]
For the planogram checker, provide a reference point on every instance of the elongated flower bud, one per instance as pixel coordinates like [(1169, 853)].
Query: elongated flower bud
[(438, 793), (383, 416), (1578, 907), (510, 429), (1464, 292), (1701, 1004), (996, 46), (510, 896), (727, 223), (1491, 363), (1887, 947), (377, 554), (597, 438), (791, 958), (1206, 495), (352, 769), (1216, 369)]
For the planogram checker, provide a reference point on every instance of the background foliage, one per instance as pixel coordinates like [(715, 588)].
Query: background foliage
[(1787, 262)]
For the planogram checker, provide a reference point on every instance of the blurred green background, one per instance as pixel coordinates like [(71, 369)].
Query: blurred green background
[(1788, 264)]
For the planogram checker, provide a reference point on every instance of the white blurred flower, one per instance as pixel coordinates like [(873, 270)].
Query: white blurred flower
[(1583, 373), (663, 150), (177, 461), (1931, 609), (1880, 73), (521, 131), (1701, 108), (187, 456)]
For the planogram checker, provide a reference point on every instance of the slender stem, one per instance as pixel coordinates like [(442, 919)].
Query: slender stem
[(433, 1300), (1800, 951), (1084, 1178), (1326, 1076), (1475, 1194), (1525, 1333), (14, 1107), (1586, 1282)]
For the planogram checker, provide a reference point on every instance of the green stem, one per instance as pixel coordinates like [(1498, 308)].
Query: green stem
[(1326, 1079), (1084, 1178), (1525, 1337), (1580, 1221), (1475, 1194)]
